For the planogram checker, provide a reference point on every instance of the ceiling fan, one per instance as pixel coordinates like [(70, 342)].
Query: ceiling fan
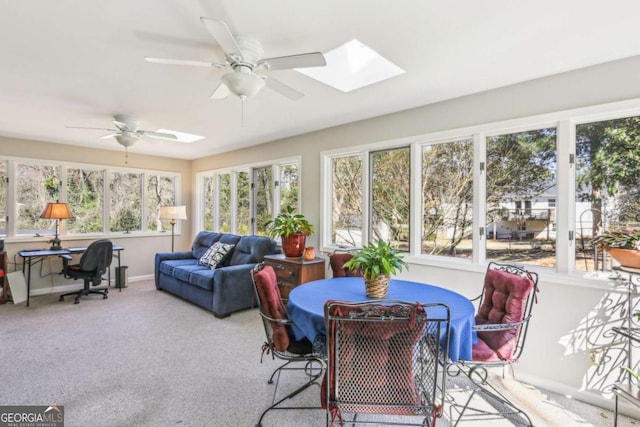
[(243, 55), (127, 132)]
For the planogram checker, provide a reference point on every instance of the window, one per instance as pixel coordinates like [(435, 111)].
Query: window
[(160, 191), (125, 213), (447, 198), (208, 199), (520, 167), (224, 203), (243, 203), (346, 201), (263, 197), (607, 193), (85, 195), (243, 200), (3, 198), (390, 177), (36, 185)]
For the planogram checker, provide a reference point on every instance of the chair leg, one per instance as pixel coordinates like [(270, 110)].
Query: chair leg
[(478, 376), (86, 291), (313, 373)]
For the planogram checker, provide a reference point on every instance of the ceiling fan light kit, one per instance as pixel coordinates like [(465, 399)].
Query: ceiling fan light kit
[(243, 84)]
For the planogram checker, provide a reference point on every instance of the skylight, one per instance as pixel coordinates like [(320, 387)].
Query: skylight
[(352, 66), (182, 137)]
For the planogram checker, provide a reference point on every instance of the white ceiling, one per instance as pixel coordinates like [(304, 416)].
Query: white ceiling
[(79, 62)]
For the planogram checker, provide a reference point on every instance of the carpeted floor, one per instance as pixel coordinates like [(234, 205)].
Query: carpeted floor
[(145, 358)]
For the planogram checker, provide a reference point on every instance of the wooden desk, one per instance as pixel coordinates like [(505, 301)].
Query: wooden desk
[(31, 257)]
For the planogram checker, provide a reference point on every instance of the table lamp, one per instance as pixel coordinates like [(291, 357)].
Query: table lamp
[(57, 211), (173, 213)]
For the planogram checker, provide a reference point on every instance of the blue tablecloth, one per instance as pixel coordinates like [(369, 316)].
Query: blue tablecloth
[(306, 307)]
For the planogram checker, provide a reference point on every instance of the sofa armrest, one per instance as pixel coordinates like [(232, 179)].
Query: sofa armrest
[(232, 288), (164, 256)]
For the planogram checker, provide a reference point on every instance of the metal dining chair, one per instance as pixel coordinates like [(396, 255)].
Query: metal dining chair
[(502, 322), (298, 355), (383, 362)]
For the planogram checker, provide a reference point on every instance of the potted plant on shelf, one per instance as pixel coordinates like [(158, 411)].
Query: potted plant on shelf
[(623, 245), (378, 261), (293, 228)]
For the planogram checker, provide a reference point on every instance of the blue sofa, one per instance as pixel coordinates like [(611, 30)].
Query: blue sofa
[(223, 290)]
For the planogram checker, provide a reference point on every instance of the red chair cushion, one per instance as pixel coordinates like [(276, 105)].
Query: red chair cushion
[(269, 294), (336, 261), (505, 297)]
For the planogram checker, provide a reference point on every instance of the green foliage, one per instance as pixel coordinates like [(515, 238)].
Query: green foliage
[(377, 258), (287, 223), (623, 239)]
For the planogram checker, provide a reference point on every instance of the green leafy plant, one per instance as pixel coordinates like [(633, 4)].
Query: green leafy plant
[(623, 238), (287, 223), (377, 258)]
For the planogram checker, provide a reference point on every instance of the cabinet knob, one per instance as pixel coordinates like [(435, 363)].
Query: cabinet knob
[(280, 267)]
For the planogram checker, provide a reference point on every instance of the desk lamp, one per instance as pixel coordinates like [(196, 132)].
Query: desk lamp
[(173, 213), (56, 211)]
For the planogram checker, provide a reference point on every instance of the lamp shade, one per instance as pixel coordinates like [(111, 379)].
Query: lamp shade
[(173, 212), (56, 211)]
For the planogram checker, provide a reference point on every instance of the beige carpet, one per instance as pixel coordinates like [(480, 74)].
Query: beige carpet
[(146, 358)]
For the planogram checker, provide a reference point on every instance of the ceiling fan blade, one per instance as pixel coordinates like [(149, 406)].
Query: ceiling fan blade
[(315, 59), (219, 30), (110, 135), (84, 127), (221, 92), (122, 126), (183, 62), (161, 135), (284, 89)]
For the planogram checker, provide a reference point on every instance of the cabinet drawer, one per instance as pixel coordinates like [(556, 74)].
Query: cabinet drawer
[(285, 288), (287, 272)]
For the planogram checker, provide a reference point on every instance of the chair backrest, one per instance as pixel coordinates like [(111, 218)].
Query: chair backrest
[(97, 257), (337, 260), (383, 357), (507, 299), (272, 309)]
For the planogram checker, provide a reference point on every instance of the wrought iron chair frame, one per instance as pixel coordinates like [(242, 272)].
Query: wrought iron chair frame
[(426, 360), (476, 371), (312, 364)]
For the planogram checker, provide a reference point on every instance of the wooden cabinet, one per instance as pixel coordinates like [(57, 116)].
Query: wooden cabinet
[(292, 272), (3, 277)]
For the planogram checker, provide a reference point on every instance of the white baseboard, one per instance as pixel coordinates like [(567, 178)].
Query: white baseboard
[(74, 286), (591, 397)]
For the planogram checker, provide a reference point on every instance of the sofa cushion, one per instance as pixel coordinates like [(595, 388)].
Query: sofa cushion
[(251, 250), (215, 254), (181, 268), (203, 241), (202, 278)]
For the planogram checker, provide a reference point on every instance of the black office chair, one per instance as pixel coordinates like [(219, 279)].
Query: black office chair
[(95, 261)]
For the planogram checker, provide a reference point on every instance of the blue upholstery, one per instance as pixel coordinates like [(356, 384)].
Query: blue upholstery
[(223, 290)]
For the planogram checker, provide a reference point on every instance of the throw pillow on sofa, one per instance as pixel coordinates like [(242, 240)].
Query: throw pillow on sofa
[(215, 254)]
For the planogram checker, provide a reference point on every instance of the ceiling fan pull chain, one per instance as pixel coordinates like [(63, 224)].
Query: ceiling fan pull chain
[(242, 98)]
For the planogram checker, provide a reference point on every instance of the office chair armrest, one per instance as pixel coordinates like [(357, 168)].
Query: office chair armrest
[(66, 257)]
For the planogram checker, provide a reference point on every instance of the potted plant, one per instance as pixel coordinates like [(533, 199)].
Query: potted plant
[(377, 261), (623, 245), (293, 228)]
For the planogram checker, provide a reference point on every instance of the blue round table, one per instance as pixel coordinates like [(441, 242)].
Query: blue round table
[(306, 307)]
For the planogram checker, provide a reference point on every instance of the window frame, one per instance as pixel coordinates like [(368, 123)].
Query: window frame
[(12, 163), (565, 124)]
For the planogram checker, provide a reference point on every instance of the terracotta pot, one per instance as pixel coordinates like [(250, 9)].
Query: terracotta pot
[(378, 287), (626, 257), (309, 253), (293, 245)]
